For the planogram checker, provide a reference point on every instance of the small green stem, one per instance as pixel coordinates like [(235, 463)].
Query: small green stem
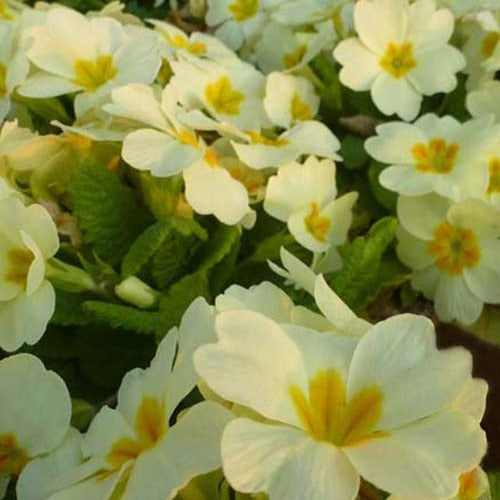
[(69, 278)]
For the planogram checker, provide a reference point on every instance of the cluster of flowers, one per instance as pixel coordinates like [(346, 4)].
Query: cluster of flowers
[(297, 404)]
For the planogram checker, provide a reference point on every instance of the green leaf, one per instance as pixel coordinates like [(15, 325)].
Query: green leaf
[(69, 309), (494, 479), (108, 213), (152, 239), (47, 108), (353, 152), (128, 318), (219, 245), (358, 277), (386, 198), (269, 249), (326, 70)]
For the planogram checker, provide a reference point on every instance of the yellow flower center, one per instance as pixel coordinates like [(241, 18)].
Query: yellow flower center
[(326, 414), (253, 180), (299, 109), (187, 137), (316, 224), (437, 157), (92, 74), (211, 158), (454, 248), (3, 80), (469, 486), (150, 427), (243, 9), (293, 58), (489, 43), (12, 457), (494, 168), (398, 60), (267, 141), (221, 96), (180, 42), (19, 263)]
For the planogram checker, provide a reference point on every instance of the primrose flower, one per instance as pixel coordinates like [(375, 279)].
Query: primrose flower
[(28, 238), (382, 407), (282, 48), (303, 12), (238, 20), (435, 154), (176, 44), (303, 196), (137, 447), (290, 99), (453, 250), (230, 94), (88, 56), (401, 54), (481, 49), (36, 410), (462, 7), (166, 147), (14, 66)]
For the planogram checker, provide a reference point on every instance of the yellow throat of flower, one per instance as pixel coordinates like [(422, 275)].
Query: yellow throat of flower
[(181, 42), (316, 224), (243, 9), (3, 80), (454, 248), (489, 43), (93, 74), (494, 170), (223, 99), (436, 157), (398, 59), (19, 262), (13, 457), (327, 416)]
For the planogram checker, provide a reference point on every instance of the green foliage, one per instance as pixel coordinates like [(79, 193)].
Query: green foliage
[(82, 413), (359, 276), (219, 245), (487, 327), (331, 90), (353, 152), (386, 198), (69, 309), (494, 479), (107, 210)]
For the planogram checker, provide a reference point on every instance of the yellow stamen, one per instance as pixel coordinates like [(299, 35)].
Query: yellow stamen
[(211, 157), (300, 110), (398, 60), (489, 43), (328, 416), (316, 224), (294, 57), (260, 139), (243, 9), (437, 157), (180, 42), (20, 261), (92, 74), (13, 458), (454, 248), (223, 98), (188, 138), (494, 169)]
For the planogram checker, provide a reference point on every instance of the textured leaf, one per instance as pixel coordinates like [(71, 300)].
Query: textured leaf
[(219, 245), (353, 152), (359, 275), (386, 198), (69, 309), (108, 213)]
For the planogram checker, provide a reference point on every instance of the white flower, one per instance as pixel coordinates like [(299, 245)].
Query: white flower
[(35, 415), (303, 196), (88, 56), (462, 7), (290, 99), (481, 49), (381, 407), (176, 44), (14, 65), (435, 154), (238, 20), (168, 147), (485, 100), (135, 448), (402, 53), (230, 94), (453, 250), (28, 238), (303, 12), (282, 48)]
